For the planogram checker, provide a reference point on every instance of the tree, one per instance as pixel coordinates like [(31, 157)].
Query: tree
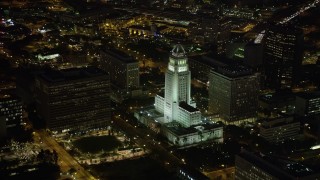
[(201, 135), (55, 157)]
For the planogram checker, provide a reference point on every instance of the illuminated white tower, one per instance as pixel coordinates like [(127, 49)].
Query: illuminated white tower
[(177, 83)]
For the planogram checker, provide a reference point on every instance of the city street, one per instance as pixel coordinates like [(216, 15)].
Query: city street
[(145, 140), (65, 160), (223, 174)]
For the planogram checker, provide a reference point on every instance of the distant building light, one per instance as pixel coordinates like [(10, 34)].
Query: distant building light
[(315, 147), (46, 57), (259, 38)]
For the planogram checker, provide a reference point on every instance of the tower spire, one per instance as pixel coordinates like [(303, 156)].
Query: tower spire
[(178, 51)]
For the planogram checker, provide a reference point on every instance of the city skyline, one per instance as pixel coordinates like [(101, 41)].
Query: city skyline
[(151, 89)]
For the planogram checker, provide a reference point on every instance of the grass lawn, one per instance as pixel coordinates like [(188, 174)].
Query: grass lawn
[(137, 169), (95, 144)]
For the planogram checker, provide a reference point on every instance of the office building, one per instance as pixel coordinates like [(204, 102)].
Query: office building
[(253, 166), (307, 104), (74, 100), (123, 69), (233, 93), (283, 50), (280, 129), (273, 103), (10, 113)]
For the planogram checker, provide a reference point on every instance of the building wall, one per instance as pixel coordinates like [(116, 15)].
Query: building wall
[(11, 109), (282, 56), (253, 55), (187, 118), (159, 104), (170, 92), (219, 94), (75, 105), (248, 171), (133, 78), (233, 99), (3, 128), (258, 166), (124, 75), (306, 106), (194, 138), (279, 130)]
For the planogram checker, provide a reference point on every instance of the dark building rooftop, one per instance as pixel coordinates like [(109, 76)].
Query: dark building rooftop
[(277, 97), (310, 95), (282, 119), (187, 107), (288, 29), (212, 60), (176, 128), (120, 55), (234, 71), (228, 67), (71, 74), (140, 27)]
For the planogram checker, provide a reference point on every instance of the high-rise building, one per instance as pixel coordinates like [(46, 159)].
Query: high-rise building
[(123, 69), (177, 83), (253, 166), (283, 51), (176, 105), (210, 29), (233, 93), (308, 104), (10, 112), (74, 99)]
